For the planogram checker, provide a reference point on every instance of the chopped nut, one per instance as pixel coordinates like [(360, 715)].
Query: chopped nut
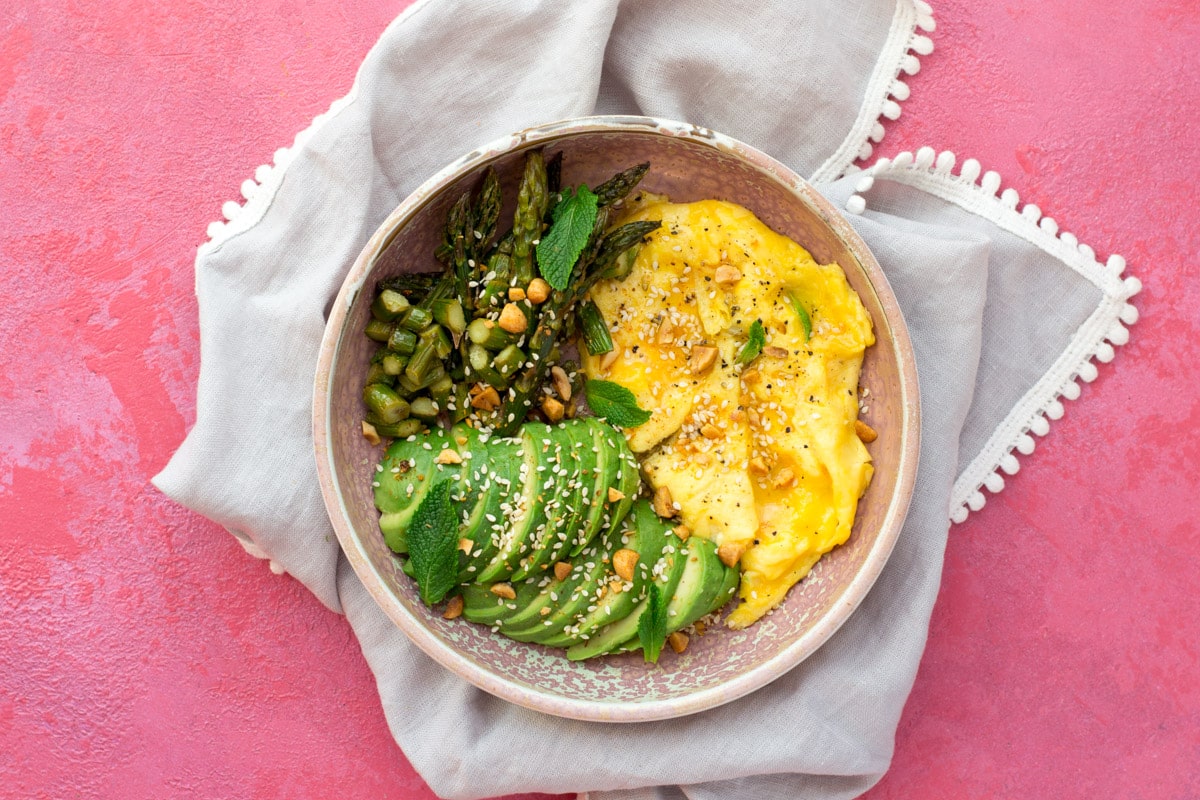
[(750, 376), (562, 384), (461, 440), (465, 545), (516, 294), (730, 553), (784, 478), (487, 399), (727, 275), (775, 352), (758, 466), (752, 415), (703, 459), (538, 291), (666, 332), (448, 456), (615, 494), (369, 433), (453, 608), (561, 570), (603, 590), (702, 359), (544, 610), (700, 628), (623, 561), (865, 431), (678, 641), (683, 532), (504, 590), (710, 431), (663, 505), (513, 319), (552, 408), (616, 587), (737, 415), (610, 358)]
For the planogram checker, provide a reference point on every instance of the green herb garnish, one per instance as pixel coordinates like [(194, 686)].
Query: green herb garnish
[(433, 544), (615, 403), (756, 339), (652, 626), (802, 313), (559, 248)]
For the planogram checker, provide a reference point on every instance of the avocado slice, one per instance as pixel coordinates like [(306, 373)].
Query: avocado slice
[(703, 579), (650, 543), (493, 462), (404, 476), (667, 574), (524, 524), (481, 605), (597, 563), (555, 594), (605, 469), (564, 504), (733, 576)]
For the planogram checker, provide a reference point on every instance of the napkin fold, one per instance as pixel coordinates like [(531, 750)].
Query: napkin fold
[(1005, 313)]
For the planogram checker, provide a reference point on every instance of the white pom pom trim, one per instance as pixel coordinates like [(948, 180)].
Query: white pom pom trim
[(906, 41), (1095, 341)]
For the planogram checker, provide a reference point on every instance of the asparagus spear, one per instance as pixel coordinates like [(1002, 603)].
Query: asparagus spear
[(532, 199), (621, 184)]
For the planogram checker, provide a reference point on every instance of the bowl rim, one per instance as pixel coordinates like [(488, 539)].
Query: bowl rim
[(533, 697)]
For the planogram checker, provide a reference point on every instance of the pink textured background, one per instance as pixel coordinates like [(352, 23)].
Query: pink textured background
[(145, 655)]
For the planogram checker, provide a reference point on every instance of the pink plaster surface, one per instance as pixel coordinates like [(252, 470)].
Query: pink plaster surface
[(145, 655)]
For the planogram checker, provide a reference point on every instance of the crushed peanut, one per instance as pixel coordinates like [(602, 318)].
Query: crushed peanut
[(666, 332), (465, 545), (758, 466), (616, 587), (784, 479), (678, 641), (775, 352), (513, 319), (865, 431), (623, 561), (683, 532), (552, 408), (702, 359), (663, 504), (730, 553), (369, 433), (454, 608), (750, 376), (562, 384), (615, 494), (561, 570), (504, 590), (727, 275), (516, 294), (710, 431), (609, 359), (538, 291), (448, 456), (487, 399)]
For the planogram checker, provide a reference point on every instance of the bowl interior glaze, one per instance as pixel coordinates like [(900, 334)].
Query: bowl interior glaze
[(688, 163)]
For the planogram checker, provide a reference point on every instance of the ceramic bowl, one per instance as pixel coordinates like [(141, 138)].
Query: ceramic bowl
[(688, 163)]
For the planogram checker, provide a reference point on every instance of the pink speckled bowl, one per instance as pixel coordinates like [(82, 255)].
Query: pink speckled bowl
[(688, 163)]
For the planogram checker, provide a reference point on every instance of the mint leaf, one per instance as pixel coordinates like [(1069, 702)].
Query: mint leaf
[(433, 544), (615, 403), (652, 625), (755, 341), (559, 248), (802, 313)]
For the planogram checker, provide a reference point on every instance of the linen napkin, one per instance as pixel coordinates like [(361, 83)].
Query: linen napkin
[(1006, 314)]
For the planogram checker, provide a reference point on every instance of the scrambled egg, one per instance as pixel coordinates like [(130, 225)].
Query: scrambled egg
[(762, 459)]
